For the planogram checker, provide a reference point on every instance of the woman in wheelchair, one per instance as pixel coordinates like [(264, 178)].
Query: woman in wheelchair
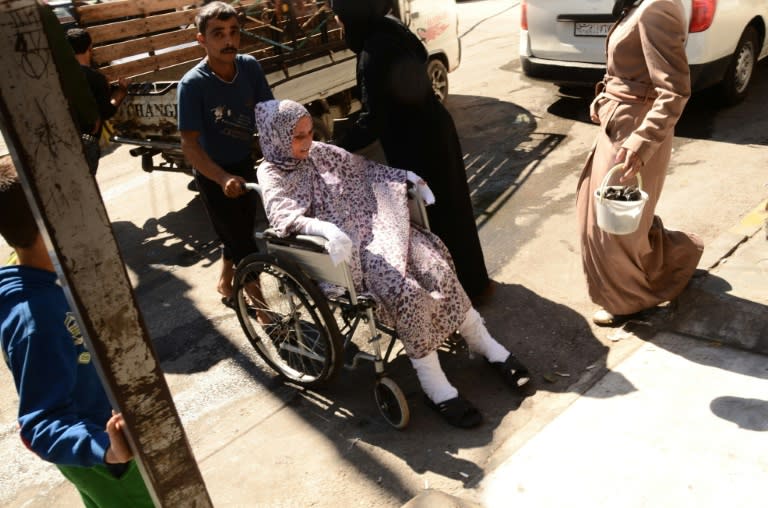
[(360, 207)]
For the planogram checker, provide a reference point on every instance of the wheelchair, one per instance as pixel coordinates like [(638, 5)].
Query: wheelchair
[(301, 333)]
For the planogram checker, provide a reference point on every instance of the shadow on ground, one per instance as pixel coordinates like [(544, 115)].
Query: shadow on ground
[(707, 310), (185, 340), (560, 350), (748, 414), (502, 151)]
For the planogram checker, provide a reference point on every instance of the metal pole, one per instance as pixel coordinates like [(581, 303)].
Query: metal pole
[(45, 145)]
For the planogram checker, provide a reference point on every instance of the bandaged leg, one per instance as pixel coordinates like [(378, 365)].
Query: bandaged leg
[(432, 378), (479, 340)]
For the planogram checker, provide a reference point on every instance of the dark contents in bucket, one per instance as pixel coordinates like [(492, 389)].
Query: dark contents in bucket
[(625, 193)]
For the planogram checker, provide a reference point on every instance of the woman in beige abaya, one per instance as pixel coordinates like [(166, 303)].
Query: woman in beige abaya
[(640, 100)]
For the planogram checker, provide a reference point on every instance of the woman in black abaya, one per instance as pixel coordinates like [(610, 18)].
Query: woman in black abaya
[(416, 132)]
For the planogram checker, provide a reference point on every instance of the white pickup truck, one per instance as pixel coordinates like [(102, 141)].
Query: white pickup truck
[(298, 42)]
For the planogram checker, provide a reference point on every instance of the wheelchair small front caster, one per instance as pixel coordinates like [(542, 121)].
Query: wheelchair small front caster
[(392, 403)]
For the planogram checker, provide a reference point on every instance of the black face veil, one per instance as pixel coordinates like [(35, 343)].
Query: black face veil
[(357, 16)]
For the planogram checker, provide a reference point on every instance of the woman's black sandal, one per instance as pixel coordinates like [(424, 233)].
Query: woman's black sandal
[(514, 373), (458, 412)]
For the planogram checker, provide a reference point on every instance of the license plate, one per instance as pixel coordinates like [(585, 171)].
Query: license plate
[(591, 29)]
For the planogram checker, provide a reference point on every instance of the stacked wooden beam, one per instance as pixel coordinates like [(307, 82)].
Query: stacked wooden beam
[(151, 40)]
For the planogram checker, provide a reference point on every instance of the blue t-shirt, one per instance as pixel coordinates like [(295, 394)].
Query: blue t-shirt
[(63, 407), (221, 111)]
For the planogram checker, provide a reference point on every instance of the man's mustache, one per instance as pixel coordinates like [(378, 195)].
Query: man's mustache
[(229, 49)]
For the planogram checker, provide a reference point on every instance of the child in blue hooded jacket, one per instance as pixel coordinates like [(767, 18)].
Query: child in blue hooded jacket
[(64, 414)]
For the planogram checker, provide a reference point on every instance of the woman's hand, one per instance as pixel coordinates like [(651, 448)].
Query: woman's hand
[(339, 244), (632, 163), (118, 452), (339, 247)]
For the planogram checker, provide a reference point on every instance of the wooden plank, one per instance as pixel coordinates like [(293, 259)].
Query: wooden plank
[(172, 73), (152, 63), (46, 149), (268, 56), (95, 13), (143, 46), (104, 54), (123, 30), (172, 65)]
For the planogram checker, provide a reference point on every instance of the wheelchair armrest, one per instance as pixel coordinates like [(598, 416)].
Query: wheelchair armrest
[(308, 242)]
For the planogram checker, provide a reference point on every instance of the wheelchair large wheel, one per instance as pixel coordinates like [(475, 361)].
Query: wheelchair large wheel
[(291, 328), (392, 403)]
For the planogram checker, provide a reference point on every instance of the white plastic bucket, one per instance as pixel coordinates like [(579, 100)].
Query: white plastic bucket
[(618, 217)]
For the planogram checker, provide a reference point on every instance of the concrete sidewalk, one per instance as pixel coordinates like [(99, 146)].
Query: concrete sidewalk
[(682, 421)]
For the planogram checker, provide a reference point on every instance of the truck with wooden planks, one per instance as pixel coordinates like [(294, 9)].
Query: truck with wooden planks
[(299, 44)]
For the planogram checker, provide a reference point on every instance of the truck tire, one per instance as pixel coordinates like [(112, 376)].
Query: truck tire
[(438, 76), (734, 86)]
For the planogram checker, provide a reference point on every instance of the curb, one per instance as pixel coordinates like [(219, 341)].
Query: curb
[(437, 499), (729, 305), (728, 242)]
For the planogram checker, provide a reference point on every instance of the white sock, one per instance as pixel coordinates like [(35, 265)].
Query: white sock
[(432, 378), (479, 340)]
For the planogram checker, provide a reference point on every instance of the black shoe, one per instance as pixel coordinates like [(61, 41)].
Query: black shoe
[(514, 373), (458, 412)]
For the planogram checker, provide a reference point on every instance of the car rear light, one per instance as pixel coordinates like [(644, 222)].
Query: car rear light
[(524, 15), (702, 15)]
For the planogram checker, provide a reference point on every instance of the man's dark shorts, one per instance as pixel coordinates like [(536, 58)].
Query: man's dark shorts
[(235, 220)]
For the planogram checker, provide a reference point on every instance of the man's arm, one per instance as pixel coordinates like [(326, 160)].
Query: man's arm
[(119, 92), (231, 185), (366, 128)]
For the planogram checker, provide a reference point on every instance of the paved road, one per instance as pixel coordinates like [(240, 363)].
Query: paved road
[(524, 143)]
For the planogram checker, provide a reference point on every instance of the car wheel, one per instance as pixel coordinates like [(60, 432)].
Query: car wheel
[(741, 69), (438, 76)]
